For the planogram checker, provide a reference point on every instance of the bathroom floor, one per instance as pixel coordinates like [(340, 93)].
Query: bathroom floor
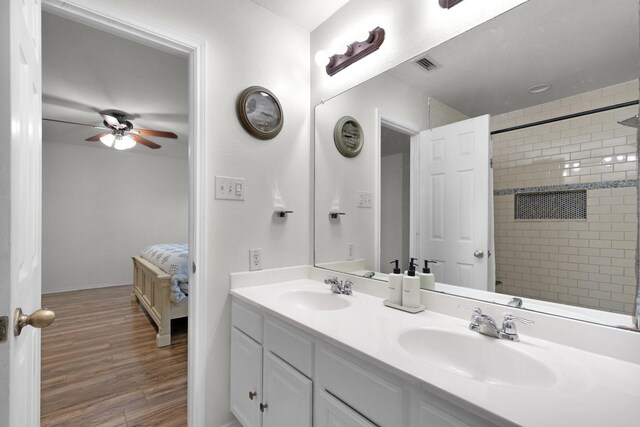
[(101, 366)]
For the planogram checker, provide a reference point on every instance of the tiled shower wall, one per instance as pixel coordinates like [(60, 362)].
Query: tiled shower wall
[(589, 262)]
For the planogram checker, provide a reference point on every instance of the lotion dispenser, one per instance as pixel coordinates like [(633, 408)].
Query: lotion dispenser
[(411, 288), (395, 284), (427, 279)]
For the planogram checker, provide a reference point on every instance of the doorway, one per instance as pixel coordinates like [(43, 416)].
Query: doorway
[(193, 50), (395, 197)]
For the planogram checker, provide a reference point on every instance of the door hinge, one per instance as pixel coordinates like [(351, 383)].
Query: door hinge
[(4, 328)]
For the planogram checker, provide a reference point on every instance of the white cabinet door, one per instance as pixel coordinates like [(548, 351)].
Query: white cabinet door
[(454, 198), (330, 412), (287, 395), (246, 379)]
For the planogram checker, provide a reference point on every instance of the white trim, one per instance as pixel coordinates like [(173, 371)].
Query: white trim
[(99, 16), (407, 128), (232, 424)]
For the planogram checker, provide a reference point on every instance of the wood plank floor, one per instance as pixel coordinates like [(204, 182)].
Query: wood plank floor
[(101, 366)]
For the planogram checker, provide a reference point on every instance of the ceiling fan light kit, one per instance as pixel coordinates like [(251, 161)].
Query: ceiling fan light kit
[(123, 142), (119, 133)]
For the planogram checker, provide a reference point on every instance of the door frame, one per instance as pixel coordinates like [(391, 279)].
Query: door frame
[(413, 130), (148, 33)]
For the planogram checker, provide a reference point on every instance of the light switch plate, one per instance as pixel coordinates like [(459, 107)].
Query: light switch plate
[(230, 188)]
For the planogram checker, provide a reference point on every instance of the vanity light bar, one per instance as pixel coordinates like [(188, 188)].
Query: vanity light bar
[(356, 51), (448, 4)]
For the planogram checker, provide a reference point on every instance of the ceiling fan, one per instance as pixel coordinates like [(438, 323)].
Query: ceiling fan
[(119, 132)]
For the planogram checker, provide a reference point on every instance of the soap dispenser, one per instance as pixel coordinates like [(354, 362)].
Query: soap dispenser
[(427, 279), (411, 262), (395, 284), (411, 288)]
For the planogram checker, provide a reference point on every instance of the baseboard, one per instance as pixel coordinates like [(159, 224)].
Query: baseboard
[(83, 288), (232, 424)]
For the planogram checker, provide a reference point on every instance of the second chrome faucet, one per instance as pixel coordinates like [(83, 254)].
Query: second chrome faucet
[(486, 325), (338, 287)]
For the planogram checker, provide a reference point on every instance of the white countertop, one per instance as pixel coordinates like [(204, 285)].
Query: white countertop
[(588, 390)]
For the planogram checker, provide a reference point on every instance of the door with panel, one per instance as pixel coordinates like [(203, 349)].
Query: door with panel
[(246, 379), (20, 212), (287, 394), (454, 202)]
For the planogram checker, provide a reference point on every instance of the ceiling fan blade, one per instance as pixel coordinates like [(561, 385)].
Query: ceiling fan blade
[(98, 136), (74, 123), (157, 133), (112, 121), (144, 141)]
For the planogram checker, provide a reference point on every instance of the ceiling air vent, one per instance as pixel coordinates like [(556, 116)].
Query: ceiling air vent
[(426, 64)]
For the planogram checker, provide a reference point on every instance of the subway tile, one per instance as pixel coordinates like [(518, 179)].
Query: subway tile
[(612, 253), (599, 243), (601, 295), (618, 271), (586, 284), (609, 287)]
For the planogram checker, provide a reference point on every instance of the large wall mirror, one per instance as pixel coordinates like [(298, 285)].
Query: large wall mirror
[(452, 169)]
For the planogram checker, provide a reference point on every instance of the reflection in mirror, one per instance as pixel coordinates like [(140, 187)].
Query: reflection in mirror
[(553, 220)]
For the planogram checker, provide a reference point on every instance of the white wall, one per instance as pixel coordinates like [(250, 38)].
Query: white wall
[(100, 207), (411, 29)]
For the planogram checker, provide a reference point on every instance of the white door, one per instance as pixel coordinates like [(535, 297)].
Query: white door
[(287, 395), (20, 207), (454, 196), (246, 379)]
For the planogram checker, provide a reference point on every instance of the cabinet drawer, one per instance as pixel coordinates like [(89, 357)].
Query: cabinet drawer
[(434, 411), (290, 345), (347, 378), (247, 320), (330, 412)]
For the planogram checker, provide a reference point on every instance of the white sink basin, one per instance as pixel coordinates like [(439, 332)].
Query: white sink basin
[(478, 357), (321, 300)]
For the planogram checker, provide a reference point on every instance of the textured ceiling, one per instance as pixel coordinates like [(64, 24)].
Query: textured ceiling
[(85, 71)]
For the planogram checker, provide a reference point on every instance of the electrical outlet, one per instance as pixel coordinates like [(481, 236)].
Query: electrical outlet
[(351, 251), (255, 259), (364, 199)]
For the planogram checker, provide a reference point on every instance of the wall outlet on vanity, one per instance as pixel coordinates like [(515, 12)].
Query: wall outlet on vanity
[(255, 259), (351, 251)]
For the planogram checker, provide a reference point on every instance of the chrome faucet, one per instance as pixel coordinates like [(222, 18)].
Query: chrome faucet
[(486, 325), (338, 287), (515, 302)]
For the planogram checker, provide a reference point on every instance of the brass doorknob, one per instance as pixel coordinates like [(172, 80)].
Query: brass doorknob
[(38, 319)]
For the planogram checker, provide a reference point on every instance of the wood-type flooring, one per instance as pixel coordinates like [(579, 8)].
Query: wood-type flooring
[(101, 366)]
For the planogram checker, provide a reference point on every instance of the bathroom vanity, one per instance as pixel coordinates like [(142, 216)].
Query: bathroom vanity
[(302, 356)]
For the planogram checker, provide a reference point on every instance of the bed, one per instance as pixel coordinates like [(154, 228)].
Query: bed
[(160, 286)]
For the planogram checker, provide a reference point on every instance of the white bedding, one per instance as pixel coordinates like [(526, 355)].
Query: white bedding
[(172, 258)]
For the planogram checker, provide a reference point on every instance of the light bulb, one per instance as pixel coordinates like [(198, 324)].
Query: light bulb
[(108, 140), (322, 58), (124, 143)]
